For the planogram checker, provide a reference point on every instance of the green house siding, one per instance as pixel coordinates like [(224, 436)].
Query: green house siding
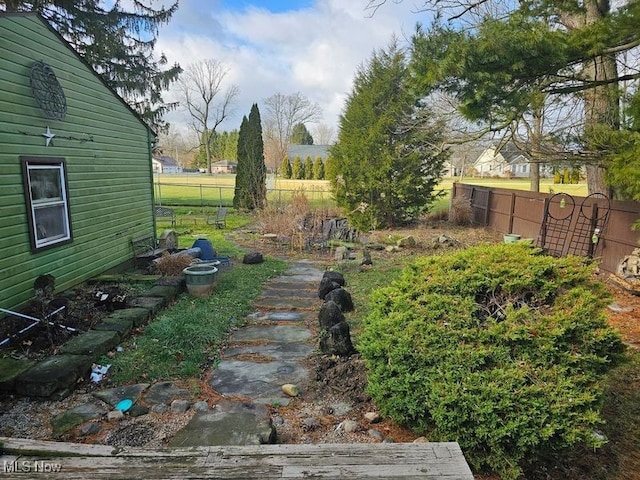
[(106, 149)]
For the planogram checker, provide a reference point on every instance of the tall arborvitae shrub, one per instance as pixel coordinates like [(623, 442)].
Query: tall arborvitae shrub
[(285, 168), (318, 169), (251, 174), (297, 169), (308, 168)]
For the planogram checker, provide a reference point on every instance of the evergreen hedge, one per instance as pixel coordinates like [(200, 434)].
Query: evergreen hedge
[(499, 348)]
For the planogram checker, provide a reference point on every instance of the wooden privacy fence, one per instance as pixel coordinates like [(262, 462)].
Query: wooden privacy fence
[(561, 223)]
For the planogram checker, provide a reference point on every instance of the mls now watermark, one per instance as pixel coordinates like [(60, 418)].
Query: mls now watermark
[(28, 466)]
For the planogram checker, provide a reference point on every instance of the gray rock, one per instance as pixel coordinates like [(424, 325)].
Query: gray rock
[(114, 395), (388, 440), (341, 253), (71, 418), (90, 429), (375, 434), (137, 411), (165, 392), (180, 406), (350, 426), (310, 423), (277, 421), (114, 415), (616, 307), (372, 417), (201, 406), (159, 408), (408, 241)]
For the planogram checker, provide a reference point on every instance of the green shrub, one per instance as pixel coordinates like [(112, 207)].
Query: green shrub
[(497, 347)]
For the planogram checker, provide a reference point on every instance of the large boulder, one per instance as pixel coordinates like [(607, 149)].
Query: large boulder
[(341, 297), (330, 315), (330, 281), (337, 341)]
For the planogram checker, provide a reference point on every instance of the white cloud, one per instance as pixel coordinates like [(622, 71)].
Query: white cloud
[(314, 50)]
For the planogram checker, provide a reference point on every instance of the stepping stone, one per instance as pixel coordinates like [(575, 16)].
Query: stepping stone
[(287, 303), (260, 381), (287, 294), (298, 281), (65, 421), (164, 393), (113, 395), (229, 423), (276, 333), (304, 279), (279, 284), (275, 317), (280, 351)]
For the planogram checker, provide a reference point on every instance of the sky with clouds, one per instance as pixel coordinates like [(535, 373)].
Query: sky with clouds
[(283, 46)]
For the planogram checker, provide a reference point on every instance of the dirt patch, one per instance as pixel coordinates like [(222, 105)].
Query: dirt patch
[(78, 310)]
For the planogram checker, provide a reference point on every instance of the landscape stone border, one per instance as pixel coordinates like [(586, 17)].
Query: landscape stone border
[(56, 376)]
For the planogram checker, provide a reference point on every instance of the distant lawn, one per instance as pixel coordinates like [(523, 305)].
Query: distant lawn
[(546, 184), (214, 190)]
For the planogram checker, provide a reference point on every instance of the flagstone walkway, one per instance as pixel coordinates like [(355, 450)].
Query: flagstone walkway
[(262, 356)]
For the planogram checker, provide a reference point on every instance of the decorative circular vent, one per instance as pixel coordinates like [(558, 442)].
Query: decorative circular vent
[(47, 91)]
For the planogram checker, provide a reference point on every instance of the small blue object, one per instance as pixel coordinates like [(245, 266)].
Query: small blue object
[(124, 405), (206, 249)]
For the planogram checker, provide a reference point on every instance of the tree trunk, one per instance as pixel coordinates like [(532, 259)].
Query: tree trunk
[(602, 108), (534, 176), (536, 139)]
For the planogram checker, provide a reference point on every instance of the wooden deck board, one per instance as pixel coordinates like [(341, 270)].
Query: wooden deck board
[(400, 461)]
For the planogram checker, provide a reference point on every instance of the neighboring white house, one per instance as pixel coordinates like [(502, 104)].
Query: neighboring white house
[(165, 165), (508, 162), (461, 160)]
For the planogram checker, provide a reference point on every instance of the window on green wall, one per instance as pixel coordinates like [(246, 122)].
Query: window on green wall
[(47, 199)]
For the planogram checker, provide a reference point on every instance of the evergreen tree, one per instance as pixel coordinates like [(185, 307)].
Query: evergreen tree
[(506, 69), (285, 168), (297, 170), (330, 169), (387, 159), (250, 191), (318, 169), (300, 135), (308, 168), (118, 43)]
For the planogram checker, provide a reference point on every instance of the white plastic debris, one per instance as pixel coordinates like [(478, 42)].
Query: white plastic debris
[(98, 372)]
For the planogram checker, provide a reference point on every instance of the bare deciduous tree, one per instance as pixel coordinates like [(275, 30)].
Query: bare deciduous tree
[(323, 134), (205, 100), (282, 112)]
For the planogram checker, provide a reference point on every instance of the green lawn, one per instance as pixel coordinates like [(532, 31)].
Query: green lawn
[(214, 190)]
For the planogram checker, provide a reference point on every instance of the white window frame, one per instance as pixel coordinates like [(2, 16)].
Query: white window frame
[(47, 203)]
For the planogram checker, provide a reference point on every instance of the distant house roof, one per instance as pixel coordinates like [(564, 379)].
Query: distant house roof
[(224, 163), (167, 161), (304, 151)]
